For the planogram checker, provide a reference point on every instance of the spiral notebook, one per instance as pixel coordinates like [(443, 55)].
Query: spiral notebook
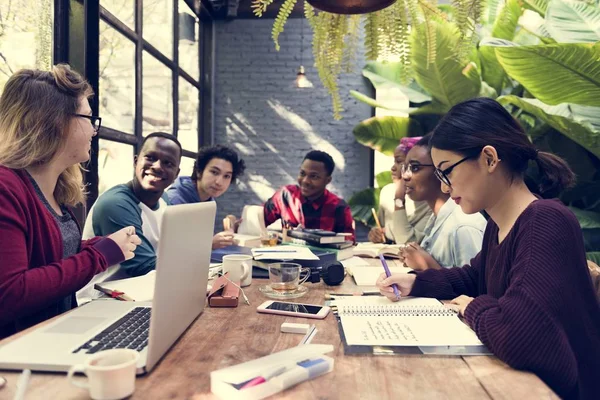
[(423, 324)]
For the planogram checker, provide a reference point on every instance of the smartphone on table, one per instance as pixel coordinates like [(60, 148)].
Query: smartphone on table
[(294, 309)]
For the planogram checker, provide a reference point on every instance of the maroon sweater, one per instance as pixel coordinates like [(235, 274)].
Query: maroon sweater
[(34, 278), (534, 305)]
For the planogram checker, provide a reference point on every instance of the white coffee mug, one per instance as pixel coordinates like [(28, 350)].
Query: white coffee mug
[(110, 374), (239, 267)]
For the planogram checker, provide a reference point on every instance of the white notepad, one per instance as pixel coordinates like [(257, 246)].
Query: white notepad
[(283, 252), (412, 321)]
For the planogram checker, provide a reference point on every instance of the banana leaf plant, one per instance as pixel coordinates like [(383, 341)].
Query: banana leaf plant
[(543, 58)]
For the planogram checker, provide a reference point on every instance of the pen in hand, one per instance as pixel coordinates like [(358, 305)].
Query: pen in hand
[(388, 274)]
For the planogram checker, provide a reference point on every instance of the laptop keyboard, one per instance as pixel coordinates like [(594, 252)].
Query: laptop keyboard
[(129, 332)]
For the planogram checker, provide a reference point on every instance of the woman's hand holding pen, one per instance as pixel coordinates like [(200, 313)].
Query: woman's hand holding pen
[(404, 282)]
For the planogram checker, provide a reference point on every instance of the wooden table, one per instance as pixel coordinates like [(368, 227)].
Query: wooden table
[(221, 337)]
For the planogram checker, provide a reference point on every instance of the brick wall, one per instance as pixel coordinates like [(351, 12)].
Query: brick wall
[(271, 123)]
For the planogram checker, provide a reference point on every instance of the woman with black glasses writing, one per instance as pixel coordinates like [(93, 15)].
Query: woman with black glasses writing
[(452, 237), (46, 128), (528, 294)]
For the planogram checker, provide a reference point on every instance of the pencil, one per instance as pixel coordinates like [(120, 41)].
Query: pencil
[(376, 218)]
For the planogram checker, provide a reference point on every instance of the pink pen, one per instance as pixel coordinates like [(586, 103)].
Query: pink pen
[(262, 379)]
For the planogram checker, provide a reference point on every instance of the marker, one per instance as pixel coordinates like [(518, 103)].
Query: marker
[(262, 379)]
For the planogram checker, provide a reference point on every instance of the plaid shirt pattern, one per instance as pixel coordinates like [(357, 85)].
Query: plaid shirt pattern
[(328, 212)]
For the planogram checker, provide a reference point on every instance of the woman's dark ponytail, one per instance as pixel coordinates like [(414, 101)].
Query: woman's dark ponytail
[(555, 175)]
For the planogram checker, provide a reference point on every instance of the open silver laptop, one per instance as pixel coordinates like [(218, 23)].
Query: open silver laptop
[(179, 297)]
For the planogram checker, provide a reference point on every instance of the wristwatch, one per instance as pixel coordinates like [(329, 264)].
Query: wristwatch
[(399, 203)]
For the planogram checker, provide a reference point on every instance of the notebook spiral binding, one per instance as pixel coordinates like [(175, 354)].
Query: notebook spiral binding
[(391, 310)]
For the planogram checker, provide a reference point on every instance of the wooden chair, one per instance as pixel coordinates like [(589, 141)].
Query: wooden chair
[(595, 274)]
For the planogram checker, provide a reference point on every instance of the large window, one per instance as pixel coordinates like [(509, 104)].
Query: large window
[(149, 80), (25, 36)]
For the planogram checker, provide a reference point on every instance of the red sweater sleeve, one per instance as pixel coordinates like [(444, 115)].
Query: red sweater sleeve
[(25, 289)]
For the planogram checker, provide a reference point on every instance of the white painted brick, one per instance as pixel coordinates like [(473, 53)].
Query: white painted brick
[(257, 109)]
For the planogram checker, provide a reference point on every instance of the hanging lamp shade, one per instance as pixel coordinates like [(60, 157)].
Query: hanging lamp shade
[(350, 6), (302, 81)]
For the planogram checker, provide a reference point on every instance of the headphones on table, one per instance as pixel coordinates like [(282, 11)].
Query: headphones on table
[(332, 274)]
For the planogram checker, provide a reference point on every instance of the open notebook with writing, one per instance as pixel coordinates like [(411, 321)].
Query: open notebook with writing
[(412, 325)]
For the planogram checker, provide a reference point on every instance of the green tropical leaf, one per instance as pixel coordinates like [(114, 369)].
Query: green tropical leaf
[(554, 73), (534, 23), (383, 178), (374, 103), (593, 256), (491, 70), (487, 91), (571, 121), (539, 6), (504, 27), (383, 75), (361, 204), (443, 78), (493, 7), (506, 24), (435, 107), (587, 219), (384, 133), (570, 21)]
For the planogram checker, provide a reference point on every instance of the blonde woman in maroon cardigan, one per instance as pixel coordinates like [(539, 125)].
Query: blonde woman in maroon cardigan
[(528, 294), (46, 128)]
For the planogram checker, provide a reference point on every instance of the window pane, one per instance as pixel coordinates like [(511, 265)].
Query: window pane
[(157, 91), (158, 25), (124, 10), (25, 36), (188, 115), (117, 80), (187, 166), (188, 41), (115, 164)]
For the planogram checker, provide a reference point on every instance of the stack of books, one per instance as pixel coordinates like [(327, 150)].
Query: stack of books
[(322, 240)]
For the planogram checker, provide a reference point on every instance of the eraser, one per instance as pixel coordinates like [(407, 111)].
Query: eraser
[(289, 327)]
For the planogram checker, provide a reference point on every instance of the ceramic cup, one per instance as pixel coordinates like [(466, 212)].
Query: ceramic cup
[(110, 374), (239, 267)]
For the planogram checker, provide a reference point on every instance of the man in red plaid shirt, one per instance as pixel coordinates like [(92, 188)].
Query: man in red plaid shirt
[(309, 203)]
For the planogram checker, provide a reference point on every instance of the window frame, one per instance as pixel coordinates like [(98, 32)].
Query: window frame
[(77, 42)]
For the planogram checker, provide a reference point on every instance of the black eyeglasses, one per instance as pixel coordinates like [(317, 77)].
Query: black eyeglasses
[(442, 174), (96, 121)]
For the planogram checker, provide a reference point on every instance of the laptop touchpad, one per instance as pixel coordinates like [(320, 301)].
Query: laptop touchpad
[(76, 325)]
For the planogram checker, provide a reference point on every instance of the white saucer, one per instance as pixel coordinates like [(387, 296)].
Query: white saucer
[(269, 292)]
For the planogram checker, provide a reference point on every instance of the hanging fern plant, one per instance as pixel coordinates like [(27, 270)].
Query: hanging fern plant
[(386, 33)]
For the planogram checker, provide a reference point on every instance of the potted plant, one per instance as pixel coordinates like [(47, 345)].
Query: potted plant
[(386, 31), (542, 63)]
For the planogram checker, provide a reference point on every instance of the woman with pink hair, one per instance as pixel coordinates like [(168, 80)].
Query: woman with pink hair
[(403, 220)]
